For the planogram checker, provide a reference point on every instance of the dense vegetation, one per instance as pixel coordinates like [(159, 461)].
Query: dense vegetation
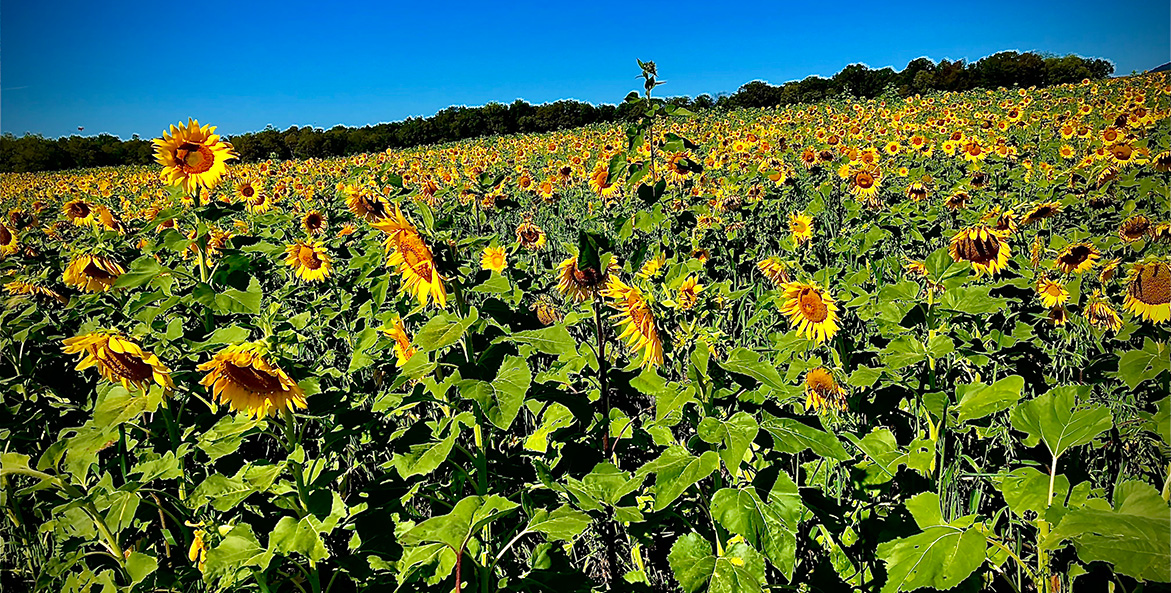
[(1005, 69)]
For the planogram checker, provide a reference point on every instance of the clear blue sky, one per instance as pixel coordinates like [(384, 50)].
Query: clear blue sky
[(126, 68)]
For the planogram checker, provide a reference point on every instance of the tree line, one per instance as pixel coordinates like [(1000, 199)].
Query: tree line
[(33, 152)]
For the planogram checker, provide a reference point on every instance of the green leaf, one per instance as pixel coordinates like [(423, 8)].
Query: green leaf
[(120, 507), (940, 557), (564, 523), (1027, 489), (139, 566), (793, 436), (554, 340), (238, 549), (291, 535), (1137, 366), (746, 362), (977, 400), (1135, 537), (675, 471), (739, 570), (456, 528), (904, 351), (502, 398), (736, 435), (423, 458), (142, 271), (767, 527), (444, 330), (1051, 418), (236, 301)]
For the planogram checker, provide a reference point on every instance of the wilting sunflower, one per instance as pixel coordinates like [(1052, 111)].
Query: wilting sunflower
[(958, 200), (243, 377), (119, 360), (984, 248), (822, 391), (635, 314), (1162, 161), (92, 273), (582, 284), (1077, 258), (31, 289), (403, 350), (917, 192), (1058, 315), (1003, 221), (1101, 315), (812, 310), (1051, 293), (197, 553), (530, 236), (774, 269), (9, 241), (314, 222), (701, 254), (1148, 293), (1106, 274), (493, 259), (366, 204), (80, 212), (192, 156), (1135, 228), (309, 260), (1041, 212), (546, 311), (801, 225), (915, 268), (689, 292)]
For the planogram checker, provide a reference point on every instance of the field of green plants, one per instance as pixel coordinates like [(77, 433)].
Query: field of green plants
[(852, 346)]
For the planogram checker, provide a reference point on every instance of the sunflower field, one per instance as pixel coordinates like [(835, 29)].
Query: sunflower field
[(852, 346)]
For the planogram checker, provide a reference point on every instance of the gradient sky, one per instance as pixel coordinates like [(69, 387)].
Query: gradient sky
[(127, 68)]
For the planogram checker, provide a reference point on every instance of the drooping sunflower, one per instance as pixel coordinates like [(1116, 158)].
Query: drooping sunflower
[(9, 241), (530, 236), (801, 225), (1041, 212), (80, 212), (635, 315), (812, 310), (774, 269), (958, 200), (1077, 258), (314, 222), (1051, 293), (1101, 315), (1162, 161), (689, 292), (1135, 228), (32, 289), (985, 248), (1148, 293), (1003, 221), (309, 260), (193, 156), (493, 259), (582, 284), (403, 350), (915, 268), (917, 192), (1106, 274), (652, 266), (92, 273), (1058, 315), (822, 391), (366, 204), (119, 360), (546, 311), (243, 377)]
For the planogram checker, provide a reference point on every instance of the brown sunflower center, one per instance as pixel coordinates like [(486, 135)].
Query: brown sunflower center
[(529, 235), (309, 259), (1074, 256), (194, 158), (1152, 285), (313, 221), (417, 256), (588, 277), (127, 366), (252, 379), (864, 180), (821, 382), (1135, 228), (812, 306), (1122, 152), (78, 209), (5, 235), (247, 191), (93, 270)]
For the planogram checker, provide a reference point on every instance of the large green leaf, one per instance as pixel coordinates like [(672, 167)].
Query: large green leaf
[(238, 549), (455, 528), (142, 271), (769, 527), (444, 329), (696, 568), (676, 470), (1135, 537), (977, 400), (1052, 419), (564, 523), (291, 535), (735, 433), (793, 436), (1027, 489), (746, 362), (1136, 366), (423, 458), (940, 557), (240, 301), (554, 340), (502, 398)]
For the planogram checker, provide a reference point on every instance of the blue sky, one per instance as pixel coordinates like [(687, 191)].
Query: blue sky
[(126, 68)]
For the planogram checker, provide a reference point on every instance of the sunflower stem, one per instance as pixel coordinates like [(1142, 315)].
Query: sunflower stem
[(602, 379)]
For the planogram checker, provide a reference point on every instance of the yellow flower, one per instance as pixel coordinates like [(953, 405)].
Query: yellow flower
[(92, 273), (653, 265), (314, 222), (530, 236), (119, 360), (27, 289), (1135, 228), (413, 260), (812, 310), (9, 241), (1148, 294), (309, 260), (1040, 212), (546, 311), (493, 259), (1051, 293), (984, 248), (801, 225), (80, 212), (198, 551), (403, 350), (1101, 315), (822, 392), (1077, 258), (689, 292), (635, 314), (774, 269), (366, 204), (865, 183), (582, 284), (192, 156), (242, 377)]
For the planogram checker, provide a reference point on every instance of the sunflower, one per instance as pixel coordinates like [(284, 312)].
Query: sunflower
[(1162, 161), (822, 392), (416, 265), (24, 289), (314, 222), (197, 553), (801, 225), (915, 268), (689, 292), (582, 284), (9, 241), (774, 269), (812, 310), (1041, 212), (701, 254), (985, 248), (192, 156), (1051, 293), (958, 200), (600, 181), (635, 314), (92, 273), (119, 360), (309, 260), (1101, 315), (242, 376), (530, 236), (917, 192), (80, 212), (1077, 258), (403, 350), (865, 183), (246, 191), (1135, 228), (1148, 293), (364, 203), (546, 311), (1058, 315), (493, 259)]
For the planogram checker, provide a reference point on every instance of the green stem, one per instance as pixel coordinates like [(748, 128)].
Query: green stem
[(602, 379)]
